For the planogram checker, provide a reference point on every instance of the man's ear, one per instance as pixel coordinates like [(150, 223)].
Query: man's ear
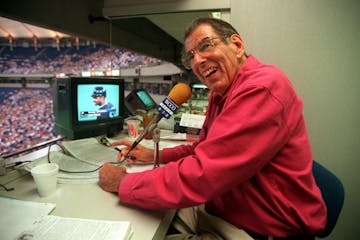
[(239, 44)]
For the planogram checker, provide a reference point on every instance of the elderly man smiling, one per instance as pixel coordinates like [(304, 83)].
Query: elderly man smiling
[(250, 173)]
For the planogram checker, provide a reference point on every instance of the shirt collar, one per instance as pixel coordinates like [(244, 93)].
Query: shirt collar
[(249, 63)]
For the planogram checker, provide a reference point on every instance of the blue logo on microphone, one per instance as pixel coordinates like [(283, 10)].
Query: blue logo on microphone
[(167, 108)]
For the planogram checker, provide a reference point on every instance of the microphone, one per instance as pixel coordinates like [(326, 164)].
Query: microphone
[(179, 94)]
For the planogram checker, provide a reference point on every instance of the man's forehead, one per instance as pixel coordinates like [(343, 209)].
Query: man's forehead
[(201, 32)]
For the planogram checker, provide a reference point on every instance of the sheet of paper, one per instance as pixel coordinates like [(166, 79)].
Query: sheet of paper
[(17, 215), (91, 151), (54, 227), (192, 120)]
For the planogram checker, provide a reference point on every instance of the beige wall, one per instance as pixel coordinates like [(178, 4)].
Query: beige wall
[(317, 44)]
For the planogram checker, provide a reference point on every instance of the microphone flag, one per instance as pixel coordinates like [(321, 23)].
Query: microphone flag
[(167, 108)]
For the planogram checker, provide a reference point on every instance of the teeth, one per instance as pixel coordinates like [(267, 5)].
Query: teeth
[(209, 71)]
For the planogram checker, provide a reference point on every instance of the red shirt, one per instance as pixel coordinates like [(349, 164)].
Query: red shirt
[(252, 165)]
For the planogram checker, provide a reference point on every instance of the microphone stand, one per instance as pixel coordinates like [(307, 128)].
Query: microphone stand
[(156, 140)]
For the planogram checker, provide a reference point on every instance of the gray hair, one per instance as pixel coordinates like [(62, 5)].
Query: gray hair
[(222, 28)]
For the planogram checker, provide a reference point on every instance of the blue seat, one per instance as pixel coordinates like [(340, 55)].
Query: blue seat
[(333, 194)]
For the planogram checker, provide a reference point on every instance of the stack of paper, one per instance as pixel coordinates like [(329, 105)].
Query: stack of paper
[(16, 215), (89, 150)]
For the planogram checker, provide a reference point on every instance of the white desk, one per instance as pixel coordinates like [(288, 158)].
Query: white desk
[(88, 200)]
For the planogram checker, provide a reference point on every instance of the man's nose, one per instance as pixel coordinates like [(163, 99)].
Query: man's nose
[(198, 58)]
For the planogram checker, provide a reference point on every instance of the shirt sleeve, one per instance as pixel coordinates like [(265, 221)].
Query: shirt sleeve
[(175, 153)]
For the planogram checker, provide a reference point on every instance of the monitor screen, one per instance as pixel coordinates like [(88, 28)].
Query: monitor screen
[(139, 99), (145, 98), (97, 101)]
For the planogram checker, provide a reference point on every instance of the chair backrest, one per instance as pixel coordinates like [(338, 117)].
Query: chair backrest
[(333, 194)]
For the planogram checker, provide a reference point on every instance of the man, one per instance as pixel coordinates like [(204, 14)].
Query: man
[(252, 165), (99, 98)]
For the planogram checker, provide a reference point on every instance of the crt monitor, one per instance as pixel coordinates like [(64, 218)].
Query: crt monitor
[(139, 99), (88, 107)]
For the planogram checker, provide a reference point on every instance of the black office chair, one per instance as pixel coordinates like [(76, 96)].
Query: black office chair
[(333, 193)]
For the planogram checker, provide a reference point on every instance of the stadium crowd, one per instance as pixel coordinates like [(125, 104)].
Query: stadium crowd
[(26, 118), (69, 60)]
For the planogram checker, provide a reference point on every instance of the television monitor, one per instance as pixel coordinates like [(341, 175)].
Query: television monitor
[(88, 107), (139, 99)]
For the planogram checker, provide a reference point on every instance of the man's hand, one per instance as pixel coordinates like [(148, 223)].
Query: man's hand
[(138, 154), (110, 177)]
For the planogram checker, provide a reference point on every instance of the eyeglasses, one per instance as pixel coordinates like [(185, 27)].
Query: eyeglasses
[(203, 48)]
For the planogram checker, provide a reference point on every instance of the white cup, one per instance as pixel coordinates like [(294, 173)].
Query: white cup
[(45, 177)]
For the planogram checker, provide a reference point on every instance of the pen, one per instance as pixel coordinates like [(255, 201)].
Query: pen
[(126, 156)]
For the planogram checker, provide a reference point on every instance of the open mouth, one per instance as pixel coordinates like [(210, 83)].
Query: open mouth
[(210, 71)]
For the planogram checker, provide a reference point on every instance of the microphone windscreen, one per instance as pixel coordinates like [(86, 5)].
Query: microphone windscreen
[(180, 93)]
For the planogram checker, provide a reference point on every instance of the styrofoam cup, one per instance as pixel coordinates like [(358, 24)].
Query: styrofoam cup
[(45, 177)]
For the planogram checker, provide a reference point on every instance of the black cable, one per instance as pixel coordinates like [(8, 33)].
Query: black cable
[(7, 189), (66, 171)]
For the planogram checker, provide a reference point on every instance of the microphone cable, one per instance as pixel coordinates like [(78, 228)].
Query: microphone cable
[(68, 171)]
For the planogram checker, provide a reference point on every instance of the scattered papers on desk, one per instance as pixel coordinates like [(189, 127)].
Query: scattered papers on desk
[(64, 228), (17, 215)]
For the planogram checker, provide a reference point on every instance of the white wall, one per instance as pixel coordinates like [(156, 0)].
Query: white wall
[(317, 44)]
